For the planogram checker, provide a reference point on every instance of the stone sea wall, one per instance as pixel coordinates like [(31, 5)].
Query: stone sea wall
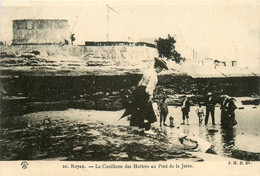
[(26, 94)]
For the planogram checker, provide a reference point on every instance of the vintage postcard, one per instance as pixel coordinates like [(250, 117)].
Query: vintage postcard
[(129, 88)]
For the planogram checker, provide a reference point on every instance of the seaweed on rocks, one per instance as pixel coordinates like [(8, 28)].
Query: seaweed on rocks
[(54, 139)]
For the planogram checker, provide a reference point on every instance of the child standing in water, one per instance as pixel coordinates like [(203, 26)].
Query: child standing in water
[(200, 113), (163, 110)]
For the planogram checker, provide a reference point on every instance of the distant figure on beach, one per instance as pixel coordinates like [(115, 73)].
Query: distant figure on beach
[(210, 108), (200, 113), (141, 108), (163, 110), (228, 108), (185, 108)]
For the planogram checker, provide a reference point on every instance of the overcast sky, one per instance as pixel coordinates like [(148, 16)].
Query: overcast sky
[(223, 30)]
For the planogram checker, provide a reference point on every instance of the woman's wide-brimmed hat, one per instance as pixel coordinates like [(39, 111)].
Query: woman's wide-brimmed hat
[(160, 63)]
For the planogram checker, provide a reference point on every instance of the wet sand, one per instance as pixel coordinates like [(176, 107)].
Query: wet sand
[(83, 135), (90, 135)]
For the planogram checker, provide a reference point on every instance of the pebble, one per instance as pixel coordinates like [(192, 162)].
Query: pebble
[(139, 159), (57, 159), (118, 133), (123, 155), (99, 142), (94, 132), (60, 136), (77, 148)]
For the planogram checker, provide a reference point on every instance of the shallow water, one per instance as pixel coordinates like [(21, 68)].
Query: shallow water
[(243, 137)]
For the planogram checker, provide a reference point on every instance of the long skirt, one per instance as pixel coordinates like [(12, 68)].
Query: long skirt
[(142, 109), (228, 119)]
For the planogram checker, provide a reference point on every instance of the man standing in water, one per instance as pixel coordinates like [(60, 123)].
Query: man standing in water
[(210, 108), (141, 110), (185, 110)]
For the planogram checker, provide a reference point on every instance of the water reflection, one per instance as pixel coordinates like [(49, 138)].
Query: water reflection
[(228, 139), (222, 140), (210, 136)]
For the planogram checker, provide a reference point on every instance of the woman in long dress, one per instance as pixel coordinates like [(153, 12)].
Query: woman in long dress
[(141, 110), (228, 108)]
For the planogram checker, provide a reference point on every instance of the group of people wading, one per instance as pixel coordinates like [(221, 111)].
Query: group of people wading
[(228, 108), (142, 108)]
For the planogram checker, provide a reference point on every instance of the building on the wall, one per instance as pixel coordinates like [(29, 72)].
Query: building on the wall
[(40, 31), (209, 62), (118, 43)]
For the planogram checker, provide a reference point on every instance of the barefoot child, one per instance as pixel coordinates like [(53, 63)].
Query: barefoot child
[(200, 113), (163, 111)]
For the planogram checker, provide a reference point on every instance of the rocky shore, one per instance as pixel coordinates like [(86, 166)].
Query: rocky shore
[(71, 136)]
